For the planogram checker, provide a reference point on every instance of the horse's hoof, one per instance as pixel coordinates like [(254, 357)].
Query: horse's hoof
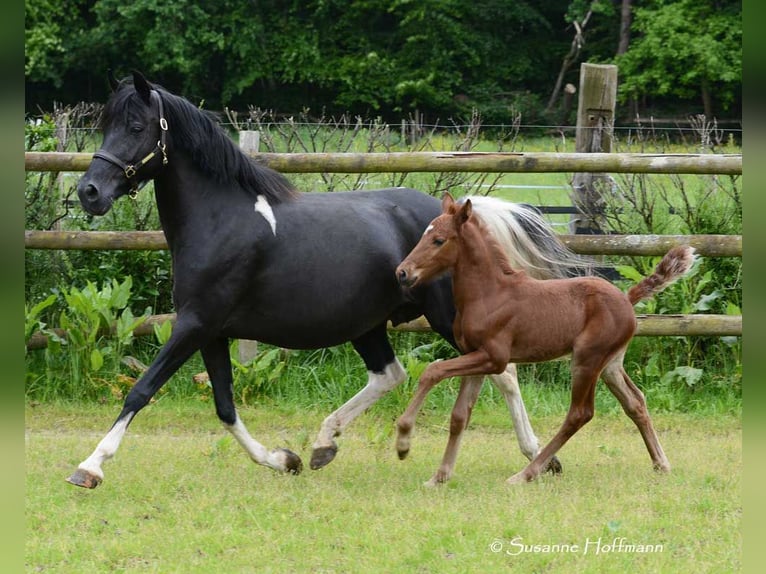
[(403, 453), (323, 456), (292, 462), (554, 466), (84, 478)]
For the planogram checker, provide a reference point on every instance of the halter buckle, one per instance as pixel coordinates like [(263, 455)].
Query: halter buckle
[(130, 171)]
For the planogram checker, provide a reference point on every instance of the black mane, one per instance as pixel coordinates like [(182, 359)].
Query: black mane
[(198, 133)]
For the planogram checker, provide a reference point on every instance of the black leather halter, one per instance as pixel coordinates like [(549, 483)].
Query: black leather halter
[(130, 170)]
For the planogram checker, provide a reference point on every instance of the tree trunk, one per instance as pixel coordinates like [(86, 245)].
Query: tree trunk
[(626, 18)]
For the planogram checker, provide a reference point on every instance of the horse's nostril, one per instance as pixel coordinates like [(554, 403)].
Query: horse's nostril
[(90, 192)]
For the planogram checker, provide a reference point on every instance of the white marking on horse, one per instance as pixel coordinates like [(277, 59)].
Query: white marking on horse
[(275, 459), (378, 384), (262, 206), (428, 229), (107, 447)]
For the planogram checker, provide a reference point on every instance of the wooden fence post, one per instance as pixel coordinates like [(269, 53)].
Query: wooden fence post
[(249, 141), (595, 123)]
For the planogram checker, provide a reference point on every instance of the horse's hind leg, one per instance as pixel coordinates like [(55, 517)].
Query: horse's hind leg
[(634, 404), (218, 365), (508, 384), (182, 344), (384, 372), (461, 415)]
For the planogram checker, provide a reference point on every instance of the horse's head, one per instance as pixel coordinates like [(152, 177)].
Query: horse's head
[(437, 250), (133, 150)]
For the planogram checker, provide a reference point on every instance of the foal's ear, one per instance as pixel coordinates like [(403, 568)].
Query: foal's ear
[(447, 202), (142, 86), (464, 213)]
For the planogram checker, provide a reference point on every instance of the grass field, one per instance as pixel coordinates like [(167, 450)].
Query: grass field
[(181, 496)]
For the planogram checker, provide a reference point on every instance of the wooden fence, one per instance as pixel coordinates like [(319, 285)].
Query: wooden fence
[(655, 325)]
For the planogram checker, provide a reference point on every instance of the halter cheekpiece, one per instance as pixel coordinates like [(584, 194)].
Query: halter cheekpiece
[(130, 170)]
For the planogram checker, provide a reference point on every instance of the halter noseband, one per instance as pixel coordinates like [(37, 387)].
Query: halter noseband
[(130, 170)]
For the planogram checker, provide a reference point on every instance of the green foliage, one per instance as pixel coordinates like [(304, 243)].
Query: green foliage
[(682, 48), (98, 327)]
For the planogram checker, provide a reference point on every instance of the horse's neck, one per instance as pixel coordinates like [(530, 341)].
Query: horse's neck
[(481, 266), (187, 199)]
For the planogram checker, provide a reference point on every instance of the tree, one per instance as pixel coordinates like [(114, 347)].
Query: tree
[(684, 48)]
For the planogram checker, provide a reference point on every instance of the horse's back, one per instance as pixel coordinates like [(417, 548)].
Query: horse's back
[(328, 273)]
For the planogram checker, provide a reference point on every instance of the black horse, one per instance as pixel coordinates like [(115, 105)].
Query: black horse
[(255, 259)]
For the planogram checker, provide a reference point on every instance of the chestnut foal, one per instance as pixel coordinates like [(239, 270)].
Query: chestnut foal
[(504, 316)]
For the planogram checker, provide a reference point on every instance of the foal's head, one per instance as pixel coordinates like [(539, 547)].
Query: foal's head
[(437, 250)]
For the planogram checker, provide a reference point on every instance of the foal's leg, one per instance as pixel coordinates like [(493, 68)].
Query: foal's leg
[(461, 415), (218, 365), (507, 383), (634, 405), (475, 363), (384, 372), (184, 341), (585, 374)]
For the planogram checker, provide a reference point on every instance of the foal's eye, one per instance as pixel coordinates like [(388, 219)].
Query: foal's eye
[(438, 242)]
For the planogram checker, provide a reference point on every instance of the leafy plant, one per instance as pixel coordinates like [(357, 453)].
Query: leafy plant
[(99, 326)]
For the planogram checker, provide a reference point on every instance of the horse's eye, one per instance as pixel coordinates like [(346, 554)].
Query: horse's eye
[(438, 242), (136, 128)]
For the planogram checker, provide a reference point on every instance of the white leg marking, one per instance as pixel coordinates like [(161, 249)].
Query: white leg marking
[(106, 448), (256, 450), (262, 206), (508, 384), (378, 384)]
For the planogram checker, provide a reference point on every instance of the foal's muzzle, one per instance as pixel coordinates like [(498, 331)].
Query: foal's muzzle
[(404, 278)]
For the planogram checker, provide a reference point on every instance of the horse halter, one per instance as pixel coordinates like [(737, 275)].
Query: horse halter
[(130, 170)]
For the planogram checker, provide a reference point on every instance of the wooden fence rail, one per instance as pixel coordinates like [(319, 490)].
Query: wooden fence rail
[(539, 162), (648, 326), (486, 162), (706, 245)]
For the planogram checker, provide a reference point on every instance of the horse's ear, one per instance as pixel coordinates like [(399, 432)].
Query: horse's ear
[(447, 202), (464, 213), (142, 86), (113, 83)]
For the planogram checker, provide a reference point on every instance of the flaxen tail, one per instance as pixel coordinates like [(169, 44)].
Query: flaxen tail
[(676, 263)]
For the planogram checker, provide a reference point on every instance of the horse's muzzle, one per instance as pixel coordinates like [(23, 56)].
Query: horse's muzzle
[(404, 278), (91, 199)]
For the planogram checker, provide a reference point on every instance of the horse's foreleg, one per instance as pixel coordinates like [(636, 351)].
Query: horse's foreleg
[(475, 363), (218, 365), (507, 383), (181, 345), (461, 415)]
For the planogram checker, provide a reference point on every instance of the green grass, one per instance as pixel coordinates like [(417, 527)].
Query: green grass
[(181, 496)]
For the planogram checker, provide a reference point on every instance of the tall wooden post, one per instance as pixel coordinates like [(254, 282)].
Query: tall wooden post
[(249, 141), (595, 123)]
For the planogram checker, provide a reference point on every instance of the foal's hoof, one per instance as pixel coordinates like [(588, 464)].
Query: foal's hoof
[(323, 456), (554, 466), (403, 453), (292, 462), (84, 478)]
